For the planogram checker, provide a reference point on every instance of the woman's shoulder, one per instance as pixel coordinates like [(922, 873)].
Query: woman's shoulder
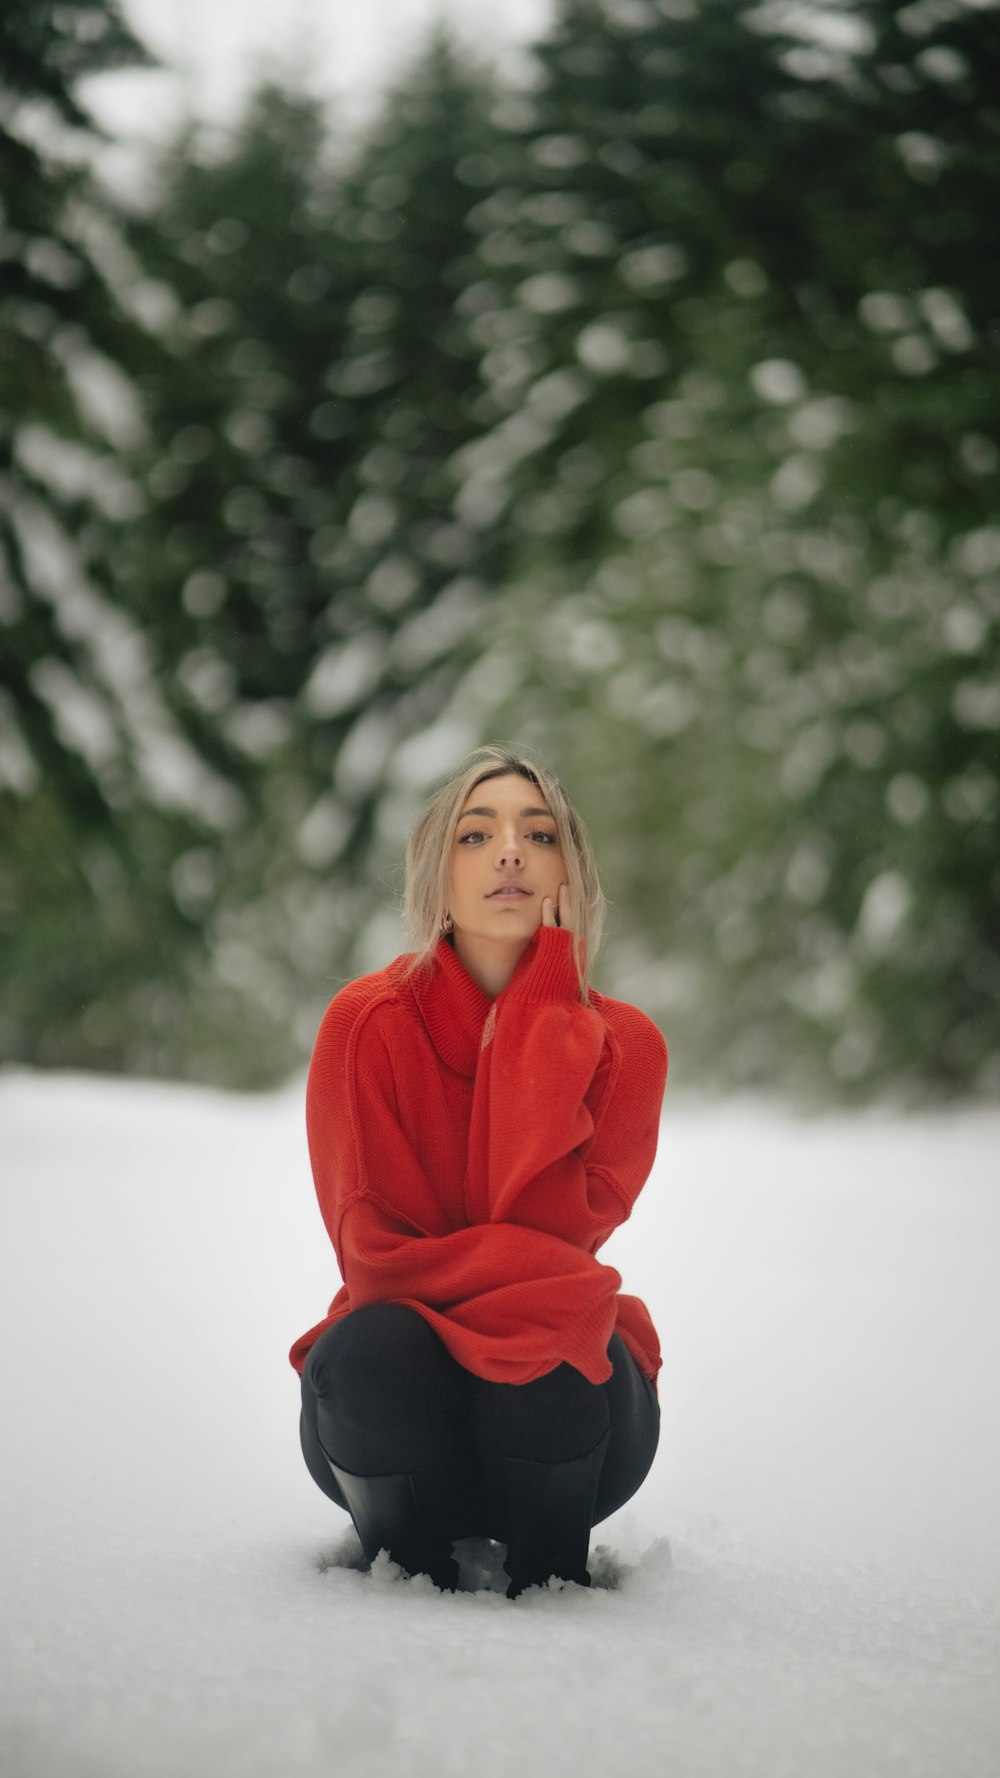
[(635, 1031), (357, 1001)]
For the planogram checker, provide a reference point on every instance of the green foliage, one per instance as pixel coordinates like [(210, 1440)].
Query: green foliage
[(647, 415), (313, 597), (776, 494), (89, 932)]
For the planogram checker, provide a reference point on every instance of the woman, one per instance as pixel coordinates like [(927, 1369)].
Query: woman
[(479, 1122)]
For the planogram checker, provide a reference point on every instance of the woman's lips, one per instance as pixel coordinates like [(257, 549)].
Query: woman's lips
[(508, 891)]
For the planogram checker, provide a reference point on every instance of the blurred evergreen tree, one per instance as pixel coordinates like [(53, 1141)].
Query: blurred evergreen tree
[(648, 415), (315, 596), (94, 778), (745, 246)]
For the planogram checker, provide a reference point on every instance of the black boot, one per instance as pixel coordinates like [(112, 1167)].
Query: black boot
[(387, 1516), (550, 1511)]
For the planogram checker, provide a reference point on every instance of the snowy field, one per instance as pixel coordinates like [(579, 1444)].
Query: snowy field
[(808, 1583)]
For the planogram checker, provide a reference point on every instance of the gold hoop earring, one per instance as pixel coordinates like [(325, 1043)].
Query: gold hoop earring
[(447, 924)]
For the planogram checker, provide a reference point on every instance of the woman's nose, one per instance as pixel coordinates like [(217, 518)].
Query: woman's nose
[(510, 853)]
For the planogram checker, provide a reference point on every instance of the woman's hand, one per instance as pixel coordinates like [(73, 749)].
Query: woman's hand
[(564, 916)]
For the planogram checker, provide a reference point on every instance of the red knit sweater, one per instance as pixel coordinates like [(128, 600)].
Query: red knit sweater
[(471, 1156)]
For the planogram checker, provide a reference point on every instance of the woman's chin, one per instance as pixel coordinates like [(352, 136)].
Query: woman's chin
[(513, 927)]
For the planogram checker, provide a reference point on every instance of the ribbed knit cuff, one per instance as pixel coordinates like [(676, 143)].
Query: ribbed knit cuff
[(585, 1346), (547, 971)]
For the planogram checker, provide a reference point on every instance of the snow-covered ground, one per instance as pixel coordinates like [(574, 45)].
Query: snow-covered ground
[(812, 1570)]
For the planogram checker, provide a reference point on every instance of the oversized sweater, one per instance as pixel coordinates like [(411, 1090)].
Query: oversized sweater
[(471, 1155)]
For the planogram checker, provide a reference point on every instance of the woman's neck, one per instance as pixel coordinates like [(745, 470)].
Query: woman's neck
[(490, 964)]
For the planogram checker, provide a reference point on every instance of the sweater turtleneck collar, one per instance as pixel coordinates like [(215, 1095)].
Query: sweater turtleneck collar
[(453, 1007)]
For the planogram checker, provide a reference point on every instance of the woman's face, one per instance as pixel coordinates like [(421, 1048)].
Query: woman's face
[(505, 859)]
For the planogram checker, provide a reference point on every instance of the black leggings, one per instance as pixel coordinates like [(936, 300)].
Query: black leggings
[(382, 1396)]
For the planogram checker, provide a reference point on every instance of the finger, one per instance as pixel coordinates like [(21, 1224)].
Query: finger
[(565, 910), (548, 911)]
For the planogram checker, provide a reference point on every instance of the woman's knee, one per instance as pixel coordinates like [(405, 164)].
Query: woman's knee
[(383, 1392), (382, 1366), (554, 1419), (383, 1346), (635, 1432)]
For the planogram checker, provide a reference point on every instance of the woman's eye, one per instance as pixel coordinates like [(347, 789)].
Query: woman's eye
[(473, 835)]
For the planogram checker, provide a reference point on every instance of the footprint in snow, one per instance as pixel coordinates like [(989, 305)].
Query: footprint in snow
[(480, 1564)]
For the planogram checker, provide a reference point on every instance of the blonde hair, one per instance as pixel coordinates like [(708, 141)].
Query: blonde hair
[(428, 857)]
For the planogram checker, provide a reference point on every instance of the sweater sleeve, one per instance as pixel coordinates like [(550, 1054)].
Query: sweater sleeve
[(509, 1302), (566, 1109)]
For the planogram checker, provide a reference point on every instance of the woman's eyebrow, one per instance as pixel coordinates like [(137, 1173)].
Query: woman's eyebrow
[(491, 814)]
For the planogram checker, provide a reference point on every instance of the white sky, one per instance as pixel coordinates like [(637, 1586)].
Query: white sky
[(216, 47)]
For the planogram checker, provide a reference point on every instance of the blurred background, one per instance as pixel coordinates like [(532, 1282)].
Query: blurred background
[(617, 378)]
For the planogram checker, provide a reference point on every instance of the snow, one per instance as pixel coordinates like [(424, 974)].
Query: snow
[(807, 1582)]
